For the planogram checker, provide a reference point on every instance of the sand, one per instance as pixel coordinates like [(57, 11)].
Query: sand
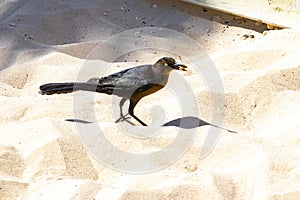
[(43, 156)]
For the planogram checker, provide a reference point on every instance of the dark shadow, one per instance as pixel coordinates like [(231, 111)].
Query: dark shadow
[(96, 21), (191, 122), (78, 121), (185, 10), (184, 122)]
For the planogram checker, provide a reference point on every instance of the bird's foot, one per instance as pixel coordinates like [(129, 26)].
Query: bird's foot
[(123, 118)]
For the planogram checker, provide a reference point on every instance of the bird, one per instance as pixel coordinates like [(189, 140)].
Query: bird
[(130, 84)]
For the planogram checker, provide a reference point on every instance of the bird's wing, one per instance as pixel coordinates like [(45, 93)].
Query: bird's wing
[(126, 82), (129, 78)]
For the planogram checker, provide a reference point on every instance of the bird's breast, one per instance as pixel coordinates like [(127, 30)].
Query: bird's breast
[(147, 90)]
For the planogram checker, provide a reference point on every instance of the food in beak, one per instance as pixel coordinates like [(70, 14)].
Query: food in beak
[(180, 67)]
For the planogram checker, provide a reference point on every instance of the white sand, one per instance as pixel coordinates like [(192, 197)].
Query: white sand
[(42, 155)]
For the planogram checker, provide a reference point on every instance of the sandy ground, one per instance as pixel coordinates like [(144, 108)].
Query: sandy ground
[(42, 156)]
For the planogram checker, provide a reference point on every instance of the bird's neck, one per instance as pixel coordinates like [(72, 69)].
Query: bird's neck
[(163, 70), (162, 74)]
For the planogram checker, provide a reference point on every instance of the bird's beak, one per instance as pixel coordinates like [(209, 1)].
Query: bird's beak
[(180, 67)]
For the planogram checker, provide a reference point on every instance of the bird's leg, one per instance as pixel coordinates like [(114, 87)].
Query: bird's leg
[(122, 116), (131, 112)]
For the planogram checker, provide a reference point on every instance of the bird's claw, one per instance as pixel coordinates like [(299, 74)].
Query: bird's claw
[(123, 118)]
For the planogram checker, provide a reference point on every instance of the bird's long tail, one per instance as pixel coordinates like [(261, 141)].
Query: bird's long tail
[(58, 88)]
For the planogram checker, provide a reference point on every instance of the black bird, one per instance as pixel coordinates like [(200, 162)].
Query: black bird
[(131, 84)]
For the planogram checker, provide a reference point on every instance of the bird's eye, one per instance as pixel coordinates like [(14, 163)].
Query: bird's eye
[(166, 64)]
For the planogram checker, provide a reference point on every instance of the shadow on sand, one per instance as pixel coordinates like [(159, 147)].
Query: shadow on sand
[(184, 122), (191, 122)]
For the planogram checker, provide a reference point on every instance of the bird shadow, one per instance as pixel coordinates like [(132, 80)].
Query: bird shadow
[(184, 122), (192, 122), (78, 121)]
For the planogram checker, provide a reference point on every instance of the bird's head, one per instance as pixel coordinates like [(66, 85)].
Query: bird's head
[(170, 63)]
